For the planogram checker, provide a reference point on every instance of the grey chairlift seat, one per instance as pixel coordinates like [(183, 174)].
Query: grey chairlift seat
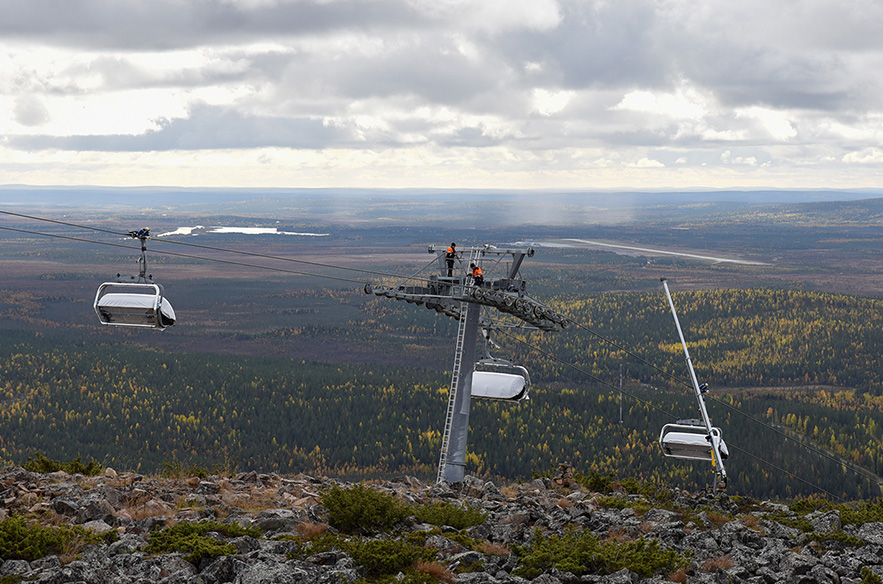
[(498, 379), (133, 305), (689, 441)]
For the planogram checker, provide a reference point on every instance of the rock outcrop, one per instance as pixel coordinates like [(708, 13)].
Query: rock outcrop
[(722, 539)]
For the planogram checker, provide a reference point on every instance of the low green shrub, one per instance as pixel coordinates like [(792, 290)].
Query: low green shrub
[(445, 513), (580, 552), (190, 538), (614, 502), (804, 505), (839, 537), (39, 463), (362, 510), (869, 577), (861, 512), (20, 541), (379, 557), (852, 513), (596, 482)]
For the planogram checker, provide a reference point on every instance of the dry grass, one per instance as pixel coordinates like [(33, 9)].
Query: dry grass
[(510, 490), (490, 548), (256, 500), (435, 570), (678, 576), (751, 522), (152, 508), (310, 530), (715, 564), (618, 534), (717, 519)]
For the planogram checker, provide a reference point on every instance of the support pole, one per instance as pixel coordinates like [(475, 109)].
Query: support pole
[(716, 459), (454, 465)]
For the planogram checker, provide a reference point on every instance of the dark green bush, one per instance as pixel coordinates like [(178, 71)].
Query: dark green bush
[(839, 537), (190, 538), (861, 512), (362, 509), (445, 513), (581, 552), (378, 557), (596, 482), (615, 502), (20, 541), (804, 505), (869, 577), (39, 463)]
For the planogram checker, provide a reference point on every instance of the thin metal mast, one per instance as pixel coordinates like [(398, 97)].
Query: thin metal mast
[(452, 461), (452, 393), (716, 458)]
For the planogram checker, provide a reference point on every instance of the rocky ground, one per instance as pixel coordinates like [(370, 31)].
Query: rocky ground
[(720, 538)]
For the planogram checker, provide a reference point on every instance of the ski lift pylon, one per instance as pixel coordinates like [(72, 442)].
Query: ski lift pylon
[(134, 301)]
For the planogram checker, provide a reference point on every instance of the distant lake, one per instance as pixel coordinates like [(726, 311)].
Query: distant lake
[(197, 229)]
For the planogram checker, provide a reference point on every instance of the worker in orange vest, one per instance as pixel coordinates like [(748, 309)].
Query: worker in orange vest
[(450, 256), (477, 278)]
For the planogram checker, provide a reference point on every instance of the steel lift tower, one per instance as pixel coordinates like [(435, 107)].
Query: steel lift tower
[(459, 297)]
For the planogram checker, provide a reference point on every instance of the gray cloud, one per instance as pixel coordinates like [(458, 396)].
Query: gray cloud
[(175, 24), (206, 128)]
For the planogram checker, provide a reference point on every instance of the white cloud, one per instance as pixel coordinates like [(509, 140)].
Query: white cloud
[(647, 163), (685, 103), (865, 156), (548, 102), (728, 158), (777, 123)]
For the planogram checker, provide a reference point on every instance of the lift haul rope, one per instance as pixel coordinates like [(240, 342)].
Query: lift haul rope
[(672, 376), (208, 247), (189, 256)]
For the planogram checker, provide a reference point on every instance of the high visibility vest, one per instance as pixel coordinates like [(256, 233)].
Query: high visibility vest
[(451, 252), (476, 272)]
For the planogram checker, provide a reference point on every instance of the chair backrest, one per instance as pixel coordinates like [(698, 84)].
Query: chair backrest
[(689, 442), (499, 386), (137, 305)]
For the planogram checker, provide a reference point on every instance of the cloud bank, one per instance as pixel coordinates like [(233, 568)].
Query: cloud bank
[(457, 93)]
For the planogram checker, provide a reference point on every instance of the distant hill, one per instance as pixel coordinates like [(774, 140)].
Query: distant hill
[(475, 207)]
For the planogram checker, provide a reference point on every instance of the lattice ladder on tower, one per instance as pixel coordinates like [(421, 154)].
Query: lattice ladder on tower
[(455, 378)]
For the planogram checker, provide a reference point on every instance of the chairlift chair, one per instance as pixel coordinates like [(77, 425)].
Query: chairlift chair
[(498, 379), (690, 442), (134, 301), (134, 304)]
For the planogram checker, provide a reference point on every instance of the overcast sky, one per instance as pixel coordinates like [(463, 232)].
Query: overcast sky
[(442, 93)]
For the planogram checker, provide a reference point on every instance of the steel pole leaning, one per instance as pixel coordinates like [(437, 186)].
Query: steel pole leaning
[(715, 442)]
